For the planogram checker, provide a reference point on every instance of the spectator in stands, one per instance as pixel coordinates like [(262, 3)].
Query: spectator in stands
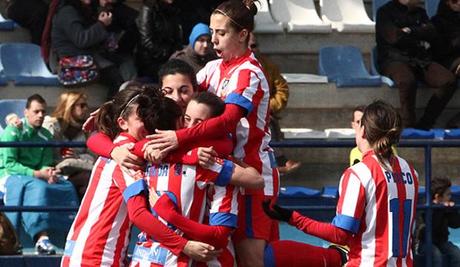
[(442, 219), (279, 94), (199, 50), (192, 12), (405, 37), (78, 31), (447, 23), (356, 155), (30, 14), (28, 178), (66, 125), (123, 23), (160, 36)]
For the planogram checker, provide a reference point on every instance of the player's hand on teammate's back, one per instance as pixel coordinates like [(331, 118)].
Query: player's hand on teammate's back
[(276, 212), (126, 159), (163, 140), (200, 251), (153, 155), (88, 125)]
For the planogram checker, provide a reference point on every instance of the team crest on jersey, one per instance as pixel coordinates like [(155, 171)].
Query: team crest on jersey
[(224, 84)]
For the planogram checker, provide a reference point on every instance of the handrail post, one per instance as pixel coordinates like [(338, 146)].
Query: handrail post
[(428, 212)]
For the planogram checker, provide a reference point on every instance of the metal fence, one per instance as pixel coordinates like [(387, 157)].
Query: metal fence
[(427, 145)]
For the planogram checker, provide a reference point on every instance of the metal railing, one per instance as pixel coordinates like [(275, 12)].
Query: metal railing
[(427, 145)]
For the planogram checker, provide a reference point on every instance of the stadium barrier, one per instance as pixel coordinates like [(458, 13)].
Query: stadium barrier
[(426, 144)]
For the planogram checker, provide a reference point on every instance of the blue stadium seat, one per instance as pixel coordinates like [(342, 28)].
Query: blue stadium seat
[(298, 192), (376, 4), (11, 106), (375, 69), (3, 80), (6, 24), (23, 64), (345, 66), (411, 133), (439, 133), (330, 192), (452, 134), (431, 7), (421, 191)]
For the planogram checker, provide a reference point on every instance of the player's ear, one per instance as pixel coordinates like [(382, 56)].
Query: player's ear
[(363, 132), (122, 123)]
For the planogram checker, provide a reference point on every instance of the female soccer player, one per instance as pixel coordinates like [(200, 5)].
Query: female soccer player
[(100, 232), (375, 210), (237, 77), (188, 186)]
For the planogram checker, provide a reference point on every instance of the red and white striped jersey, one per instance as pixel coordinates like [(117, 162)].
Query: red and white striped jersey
[(378, 206), (99, 235), (242, 82), (187, 186)]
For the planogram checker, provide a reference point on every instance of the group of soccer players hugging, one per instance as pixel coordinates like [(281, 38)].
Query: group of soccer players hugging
[(207, 195)]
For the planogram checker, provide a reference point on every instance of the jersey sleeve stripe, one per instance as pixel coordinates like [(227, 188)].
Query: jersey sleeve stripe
[(237, 99), (225, 174), (135, 189), (346, 222)]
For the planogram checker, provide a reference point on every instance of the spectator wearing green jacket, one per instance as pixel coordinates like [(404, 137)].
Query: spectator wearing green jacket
[(27, 178)]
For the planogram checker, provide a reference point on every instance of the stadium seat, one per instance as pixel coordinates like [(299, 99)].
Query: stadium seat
[(8, 106), (346, 15), (303, 133), (330, 192), (3, 80), (439, 133), (304, 78), (298, 192), (452, 134), (340, 133), (24, 65), (376, 4), (6, 24), (375, 69), (264, 22), (431, 7), (412, 133), (299, 16), (344, 65)]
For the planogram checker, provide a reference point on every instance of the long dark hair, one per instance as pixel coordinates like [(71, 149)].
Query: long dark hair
[(382, 129), (154, 109)]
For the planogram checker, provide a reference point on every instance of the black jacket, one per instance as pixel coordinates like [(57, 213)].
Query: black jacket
[(443, 218), (160, 36), (74, 34), (395, 45), (447, 23)]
